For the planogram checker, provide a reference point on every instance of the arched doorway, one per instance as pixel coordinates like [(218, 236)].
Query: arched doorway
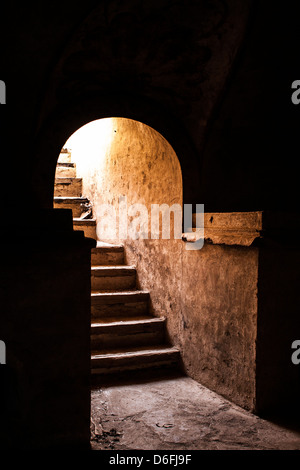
[(122, 162), (105, 163), (68, 119)]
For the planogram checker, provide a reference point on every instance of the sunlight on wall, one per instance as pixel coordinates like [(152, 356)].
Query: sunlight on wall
[(90, 145), (125, 163)]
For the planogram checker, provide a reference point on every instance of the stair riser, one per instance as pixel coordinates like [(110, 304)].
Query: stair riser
[(65, 172), (132, 309), (141, 338), (89, 230), (64, 157), (111, 366), (111, 283), (106, 258), (77, 208), (70, 189)]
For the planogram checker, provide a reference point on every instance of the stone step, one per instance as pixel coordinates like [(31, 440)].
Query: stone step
[(66, 164), (113, 278), (64, 157), (78, 205), (148, 331), (118, 304), (88, 226), (107, 254), (65, 170), (68, 187), (114, 362)]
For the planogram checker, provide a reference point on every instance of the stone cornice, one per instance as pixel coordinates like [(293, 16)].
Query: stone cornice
[(240, 228)]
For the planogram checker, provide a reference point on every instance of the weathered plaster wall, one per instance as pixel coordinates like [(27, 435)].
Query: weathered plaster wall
[(209, 297), (219, 310), (210, 300)]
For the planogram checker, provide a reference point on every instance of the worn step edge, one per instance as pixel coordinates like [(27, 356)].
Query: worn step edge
[(66, 164), (104, 247), (70, 199), (106, 328), (112, 318), (135, 351), (130, 359), (77, 221)]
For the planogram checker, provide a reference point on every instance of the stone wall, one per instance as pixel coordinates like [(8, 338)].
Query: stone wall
[(45, 301)]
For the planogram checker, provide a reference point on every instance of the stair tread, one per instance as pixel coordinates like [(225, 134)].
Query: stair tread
[(125, 293), (70, 199), (134, 352), (117, 267), (128, 321), (77, 220), (109, 246), (111, 319), (108, 291), (66, 164)]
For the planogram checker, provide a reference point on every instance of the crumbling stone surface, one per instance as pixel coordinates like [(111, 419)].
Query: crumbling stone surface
[(179, 414)]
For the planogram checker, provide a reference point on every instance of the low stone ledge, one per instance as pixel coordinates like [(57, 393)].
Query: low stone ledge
[(243, 228), (228, 228)]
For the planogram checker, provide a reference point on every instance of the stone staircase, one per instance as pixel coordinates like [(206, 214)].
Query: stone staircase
[(125, 338)]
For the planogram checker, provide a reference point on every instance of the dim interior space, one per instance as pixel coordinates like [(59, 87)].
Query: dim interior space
[(150, 263)]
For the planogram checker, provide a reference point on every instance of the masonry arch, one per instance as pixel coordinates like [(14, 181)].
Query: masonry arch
[(109, 160), (131, 159), (73, 115), (128, 172)]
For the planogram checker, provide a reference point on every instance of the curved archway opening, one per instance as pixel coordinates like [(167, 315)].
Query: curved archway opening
[(70, 118), (123, 182), (128, 175)]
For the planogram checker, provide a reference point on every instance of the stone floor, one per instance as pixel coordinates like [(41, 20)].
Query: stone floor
[(178, 414)]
